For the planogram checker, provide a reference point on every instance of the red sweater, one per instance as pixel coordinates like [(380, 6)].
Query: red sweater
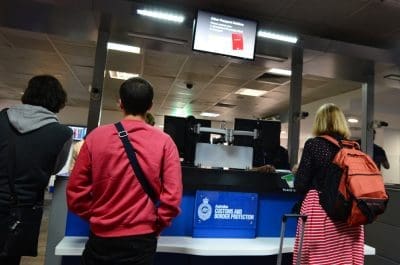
[(104, 189)]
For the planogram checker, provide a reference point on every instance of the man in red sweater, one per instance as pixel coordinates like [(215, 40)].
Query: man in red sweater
[(104, 189)]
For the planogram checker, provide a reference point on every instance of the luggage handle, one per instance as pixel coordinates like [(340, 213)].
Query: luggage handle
[(285, 217), (293, 215)]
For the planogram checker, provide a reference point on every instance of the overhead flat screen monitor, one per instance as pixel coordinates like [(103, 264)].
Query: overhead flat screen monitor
[(78, 132), (225, 35)]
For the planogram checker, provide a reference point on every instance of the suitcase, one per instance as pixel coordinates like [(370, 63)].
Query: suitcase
[(285, 217)]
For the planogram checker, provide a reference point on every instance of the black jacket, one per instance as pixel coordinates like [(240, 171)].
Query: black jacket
[(40, 152)]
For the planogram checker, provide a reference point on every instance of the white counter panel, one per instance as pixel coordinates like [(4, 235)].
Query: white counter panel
[(260, 246)]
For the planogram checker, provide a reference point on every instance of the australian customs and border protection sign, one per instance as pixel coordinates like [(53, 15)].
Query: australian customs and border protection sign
[(225, 214)]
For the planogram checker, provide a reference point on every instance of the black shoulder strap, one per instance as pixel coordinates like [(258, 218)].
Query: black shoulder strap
[(11, 163), (130, 151)]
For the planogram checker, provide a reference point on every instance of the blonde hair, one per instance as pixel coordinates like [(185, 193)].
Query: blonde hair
[(330, 120)]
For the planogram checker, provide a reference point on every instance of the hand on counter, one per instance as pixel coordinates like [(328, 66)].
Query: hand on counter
[(264, 169), (295, 168)]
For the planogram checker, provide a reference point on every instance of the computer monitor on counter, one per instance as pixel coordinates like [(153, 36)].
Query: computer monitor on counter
[(78, 132), (267, 141), (181, 131)]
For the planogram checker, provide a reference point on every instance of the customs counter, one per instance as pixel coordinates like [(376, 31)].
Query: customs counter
[(229, 214), (243, 231)]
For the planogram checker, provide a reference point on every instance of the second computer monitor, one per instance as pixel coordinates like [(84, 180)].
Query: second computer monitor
[(269, 133)]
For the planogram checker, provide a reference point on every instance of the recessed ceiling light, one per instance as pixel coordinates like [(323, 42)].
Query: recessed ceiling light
[(123, 47), (251, 92), (352, 120), (181, 112), (277, 36), (121, 75), (278, 71), (161, 15), (209, 114)]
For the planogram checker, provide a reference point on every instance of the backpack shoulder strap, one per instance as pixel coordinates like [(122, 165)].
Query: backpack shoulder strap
[(342, 143), (331, 139)]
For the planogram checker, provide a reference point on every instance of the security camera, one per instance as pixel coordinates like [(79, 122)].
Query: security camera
[(379, 124), (301, 115), (189, 85)]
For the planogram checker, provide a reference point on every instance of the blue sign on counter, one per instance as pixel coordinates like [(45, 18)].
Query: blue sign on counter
[(225, 214)]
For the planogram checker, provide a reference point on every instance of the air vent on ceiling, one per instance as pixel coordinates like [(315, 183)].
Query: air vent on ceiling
[(272, 78), (392, 77), (225, 105)]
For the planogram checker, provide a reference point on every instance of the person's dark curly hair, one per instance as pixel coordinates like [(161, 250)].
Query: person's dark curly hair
[(45, 91)]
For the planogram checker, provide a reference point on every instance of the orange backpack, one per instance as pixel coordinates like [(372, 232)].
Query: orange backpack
[(356, 192)]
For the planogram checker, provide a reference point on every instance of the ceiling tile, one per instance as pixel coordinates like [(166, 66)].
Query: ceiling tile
[(228, 81), (241, 71), (260, 85), (160, 84), (162, 64), (124, 62), (27, 40), (84, 49)]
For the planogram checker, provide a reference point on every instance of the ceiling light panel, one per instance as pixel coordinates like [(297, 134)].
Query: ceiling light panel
[(352, 120), (121, 75), (250, 92), (277, 36), (162, 15), (278, 71), (209, 114), (123, 47)]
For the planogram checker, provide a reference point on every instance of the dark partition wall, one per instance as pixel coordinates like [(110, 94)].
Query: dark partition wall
[(384, 233)]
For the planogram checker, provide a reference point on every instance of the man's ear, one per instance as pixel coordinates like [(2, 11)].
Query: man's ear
[(121, 105)]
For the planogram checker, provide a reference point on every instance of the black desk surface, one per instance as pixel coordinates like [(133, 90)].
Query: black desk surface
[(233, 180), (229, 180)]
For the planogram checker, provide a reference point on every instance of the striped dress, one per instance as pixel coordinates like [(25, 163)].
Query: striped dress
[(326, 242)]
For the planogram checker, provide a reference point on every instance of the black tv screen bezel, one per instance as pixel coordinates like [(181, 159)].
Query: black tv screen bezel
[(222, 54)]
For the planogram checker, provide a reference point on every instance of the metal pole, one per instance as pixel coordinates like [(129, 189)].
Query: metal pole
[(367, 91), (96, 93), (295, 104)]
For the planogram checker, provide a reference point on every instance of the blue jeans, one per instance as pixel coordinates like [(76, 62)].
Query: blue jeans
[(129, 250)]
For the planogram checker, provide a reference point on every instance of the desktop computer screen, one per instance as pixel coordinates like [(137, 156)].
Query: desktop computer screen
[(181, 131)]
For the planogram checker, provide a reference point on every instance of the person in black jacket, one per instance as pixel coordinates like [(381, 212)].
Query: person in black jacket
[(40, 144), (379, 155), (268, 161)]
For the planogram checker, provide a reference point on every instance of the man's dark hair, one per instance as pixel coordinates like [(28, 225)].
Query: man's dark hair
[(136, 96), (45, 91)]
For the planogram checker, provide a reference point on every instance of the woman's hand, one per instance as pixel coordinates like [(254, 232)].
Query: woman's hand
[(264, 169), (295, 168)]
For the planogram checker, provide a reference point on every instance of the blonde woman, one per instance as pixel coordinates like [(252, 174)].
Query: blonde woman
[(325, 241)]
